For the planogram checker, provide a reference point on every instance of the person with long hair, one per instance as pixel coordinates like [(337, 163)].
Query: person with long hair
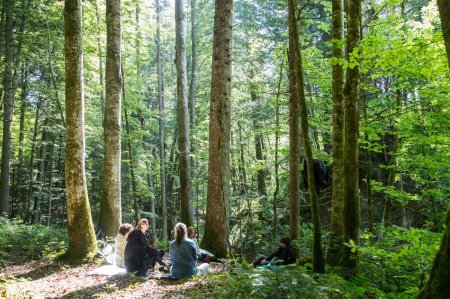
[(139, 256), (183, 255), (121, 242), (202, 255)]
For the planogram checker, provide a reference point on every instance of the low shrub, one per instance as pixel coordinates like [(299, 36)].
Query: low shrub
[(21, 242)]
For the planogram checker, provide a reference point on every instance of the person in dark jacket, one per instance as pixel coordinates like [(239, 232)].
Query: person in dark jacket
[(284, 255), (139, 256)]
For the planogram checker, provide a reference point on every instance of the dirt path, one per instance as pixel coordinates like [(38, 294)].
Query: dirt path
[(46, 279)]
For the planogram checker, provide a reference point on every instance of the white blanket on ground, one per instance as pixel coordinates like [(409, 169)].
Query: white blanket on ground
[(108, 270)]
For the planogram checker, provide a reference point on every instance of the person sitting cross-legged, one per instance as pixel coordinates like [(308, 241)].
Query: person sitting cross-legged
[(201, 255), (139, 256), (284, 255), (121, 242), (183, 255)]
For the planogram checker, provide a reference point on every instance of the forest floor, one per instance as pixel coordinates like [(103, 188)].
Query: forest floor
[(57, 279)]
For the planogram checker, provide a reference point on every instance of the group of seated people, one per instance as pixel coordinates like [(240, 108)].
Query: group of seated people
[(134, 253)]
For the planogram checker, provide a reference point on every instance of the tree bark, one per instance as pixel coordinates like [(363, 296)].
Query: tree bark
[(261, 175), (40, 176), (162, 158), (334, 253), (192, 103), (444, 14), (80, 228), (100, 61), (437, 286), (183, 116), (351, 210), (368, 168), (215, 238), (132, 174), (277, 140), (294, 149), (393, 165), (295, 55), (110, 206)]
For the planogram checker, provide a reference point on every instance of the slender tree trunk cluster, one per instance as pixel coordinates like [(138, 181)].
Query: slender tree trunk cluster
[(298, 81)]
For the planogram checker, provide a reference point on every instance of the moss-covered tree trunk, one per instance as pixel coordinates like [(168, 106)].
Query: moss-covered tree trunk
[(184, 149), (110, 206), (80, 228), (438, 286), (216, 224), (294, 146), (351, 211), (334, 253), (297, 76)]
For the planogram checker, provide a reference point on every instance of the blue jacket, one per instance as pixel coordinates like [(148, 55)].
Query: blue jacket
[(182, 257)]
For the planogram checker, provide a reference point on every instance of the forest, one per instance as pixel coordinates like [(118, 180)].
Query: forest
[(324, 121)]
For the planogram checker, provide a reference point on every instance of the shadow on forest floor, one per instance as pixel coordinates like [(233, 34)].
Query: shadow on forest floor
[(58, 279)]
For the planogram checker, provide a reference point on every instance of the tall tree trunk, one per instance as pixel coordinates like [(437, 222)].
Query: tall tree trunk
[(12, 65), (184, 150), (334, 253), (393, 164), (437, 286), (20, 161), (40, 176), (294, 150), (242, 172), (216, 223), (261, 175), (28, 205), (51, 70), (80, 228), (351, 211), (192, 103), (277, 140), (100, 60), (133, 176), (50, 181), (368, 168), (297, 75), (110, 206), (162, 158), (8, 108), (444, 14)]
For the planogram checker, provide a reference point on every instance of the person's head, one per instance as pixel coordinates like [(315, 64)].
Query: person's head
[(285, 242), (179, 232), (125, 229), (191, 232), (143, 225)]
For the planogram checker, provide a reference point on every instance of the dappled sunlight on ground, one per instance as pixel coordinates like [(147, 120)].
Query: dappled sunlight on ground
[(46, 279)]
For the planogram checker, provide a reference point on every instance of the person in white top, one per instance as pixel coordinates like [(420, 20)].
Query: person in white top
[(121, 242)]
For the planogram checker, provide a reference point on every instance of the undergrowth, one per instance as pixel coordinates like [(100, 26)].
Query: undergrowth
[(21, 242)]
